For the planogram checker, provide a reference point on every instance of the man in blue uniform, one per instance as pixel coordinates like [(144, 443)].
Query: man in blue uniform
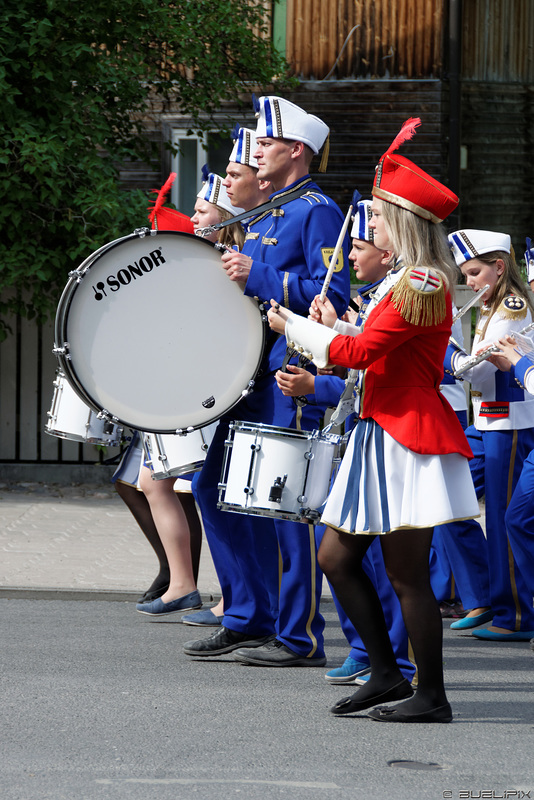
[(286, 256)]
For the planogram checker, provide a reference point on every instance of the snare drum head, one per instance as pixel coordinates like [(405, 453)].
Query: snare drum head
[(157, 334)]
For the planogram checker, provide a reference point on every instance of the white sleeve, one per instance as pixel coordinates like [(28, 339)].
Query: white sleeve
[(310, 338), (346, 328)]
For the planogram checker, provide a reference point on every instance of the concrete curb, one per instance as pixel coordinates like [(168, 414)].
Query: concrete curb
[(113, 595)]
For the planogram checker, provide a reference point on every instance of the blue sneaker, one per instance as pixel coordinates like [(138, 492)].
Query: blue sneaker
[(348, 673), (204, 619)]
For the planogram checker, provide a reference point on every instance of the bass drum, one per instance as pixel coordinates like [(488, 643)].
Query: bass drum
[(152, 334)]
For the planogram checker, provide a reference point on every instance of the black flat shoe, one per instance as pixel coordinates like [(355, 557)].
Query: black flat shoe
[(396, 714), (349, 705)]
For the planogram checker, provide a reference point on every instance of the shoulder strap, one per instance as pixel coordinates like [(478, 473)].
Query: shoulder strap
[(280, 200)]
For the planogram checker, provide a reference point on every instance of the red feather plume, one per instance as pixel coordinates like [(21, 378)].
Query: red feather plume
[(162, 194), (406, 133)]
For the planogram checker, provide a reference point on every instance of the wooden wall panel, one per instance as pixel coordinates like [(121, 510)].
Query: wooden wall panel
[(497, 40), (400, 38), (364, 117), (497, 132)]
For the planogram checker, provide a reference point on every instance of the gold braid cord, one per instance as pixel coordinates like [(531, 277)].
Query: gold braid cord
[(419, 296)]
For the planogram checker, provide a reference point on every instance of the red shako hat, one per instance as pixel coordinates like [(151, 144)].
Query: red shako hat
[(167, 219), (401, 182)]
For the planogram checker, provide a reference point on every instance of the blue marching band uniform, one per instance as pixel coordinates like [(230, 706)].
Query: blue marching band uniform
[(290, 247), (519, 516)]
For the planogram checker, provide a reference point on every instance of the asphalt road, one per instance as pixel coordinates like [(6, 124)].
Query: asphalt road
[(99, 703)]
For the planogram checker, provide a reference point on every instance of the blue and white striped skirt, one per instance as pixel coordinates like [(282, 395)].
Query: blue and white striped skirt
[(383, 486)]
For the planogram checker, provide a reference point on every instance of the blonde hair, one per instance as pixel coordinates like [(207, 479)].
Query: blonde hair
[(419, 242), (230, 234), (509, 282)]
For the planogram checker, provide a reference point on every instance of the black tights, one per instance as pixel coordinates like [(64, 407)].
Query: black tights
[(406, 558), (140, 508)]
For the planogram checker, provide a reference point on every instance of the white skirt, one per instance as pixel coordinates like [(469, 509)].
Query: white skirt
[(383, 486)]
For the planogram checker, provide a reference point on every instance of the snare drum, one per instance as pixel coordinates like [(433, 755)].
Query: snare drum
[(173, 455), (70, 418), (152, 333), (277, 472)]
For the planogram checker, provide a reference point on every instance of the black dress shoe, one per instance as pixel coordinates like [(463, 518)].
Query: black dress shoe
[(396, 714), (350, 705), (149, 596), (276, 654), (223, 640)]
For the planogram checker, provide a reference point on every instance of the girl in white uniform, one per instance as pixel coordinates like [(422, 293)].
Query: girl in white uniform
[(503, 432)]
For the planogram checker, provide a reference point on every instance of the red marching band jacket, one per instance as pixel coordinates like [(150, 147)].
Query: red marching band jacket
[(403, 365)]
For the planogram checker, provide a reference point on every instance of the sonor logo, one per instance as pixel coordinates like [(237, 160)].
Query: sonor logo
[(127, 274)]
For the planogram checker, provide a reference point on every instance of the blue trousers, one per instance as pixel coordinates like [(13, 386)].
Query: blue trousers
[(519, 521), (267, 568), (496, 467), (244, 552)]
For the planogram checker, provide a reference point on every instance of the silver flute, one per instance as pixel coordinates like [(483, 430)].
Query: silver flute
[(470, 303), (472, 362)]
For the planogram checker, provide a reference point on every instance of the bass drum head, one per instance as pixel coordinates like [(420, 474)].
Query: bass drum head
[(157, 335)]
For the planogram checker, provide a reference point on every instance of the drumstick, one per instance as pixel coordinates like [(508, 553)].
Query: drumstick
[(355, 197)]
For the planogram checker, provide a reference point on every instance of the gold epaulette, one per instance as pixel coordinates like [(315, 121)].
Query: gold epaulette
[(513, 307), (419, 296)]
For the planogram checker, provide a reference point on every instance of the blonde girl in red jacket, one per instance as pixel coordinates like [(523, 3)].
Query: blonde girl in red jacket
[(406, 466)]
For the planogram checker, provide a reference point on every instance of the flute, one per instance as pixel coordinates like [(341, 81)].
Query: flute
[(470, 303), (472, 362)]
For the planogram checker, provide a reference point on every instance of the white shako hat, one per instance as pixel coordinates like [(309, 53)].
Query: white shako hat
[(360, 222), (467, 244), (214, 192), (244, 147), (281, 119)]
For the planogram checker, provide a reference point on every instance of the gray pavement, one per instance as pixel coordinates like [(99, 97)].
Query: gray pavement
[(99, 702), (80, 541)]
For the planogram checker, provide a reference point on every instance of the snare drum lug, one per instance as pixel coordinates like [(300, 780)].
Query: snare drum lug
[(302, 498), (61, 351), (255, 447), (141, 232), (308, 455), (275, 495), (248, 490)]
